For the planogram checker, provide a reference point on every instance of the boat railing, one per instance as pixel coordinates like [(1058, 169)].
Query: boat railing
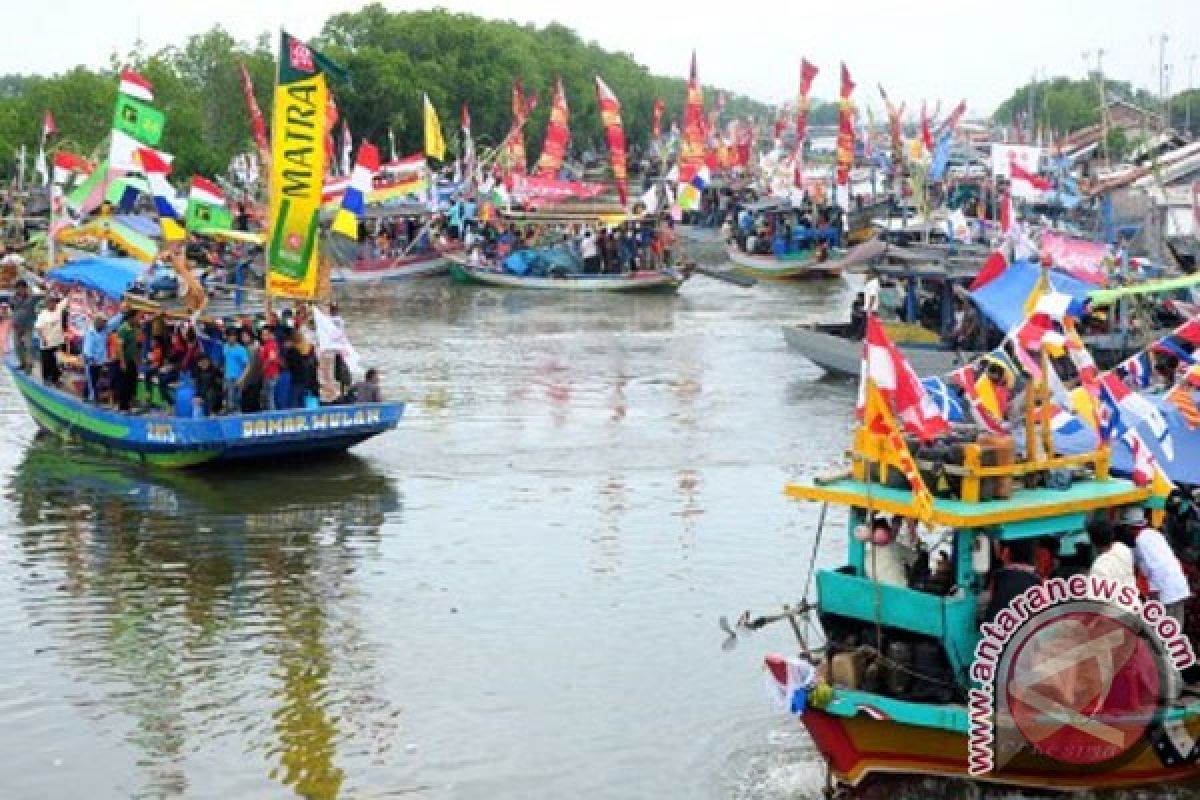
[(988, 466)]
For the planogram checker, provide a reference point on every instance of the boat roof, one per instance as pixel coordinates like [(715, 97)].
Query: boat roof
[(1028, 512)]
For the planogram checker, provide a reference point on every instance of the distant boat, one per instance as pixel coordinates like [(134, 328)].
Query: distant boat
[(395, 268), (646, 281), (168, 441), (804, 264)]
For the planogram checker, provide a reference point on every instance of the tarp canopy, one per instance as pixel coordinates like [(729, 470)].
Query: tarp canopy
[(1106, 296), (1185, 446), (109, 276), (1003, 298)]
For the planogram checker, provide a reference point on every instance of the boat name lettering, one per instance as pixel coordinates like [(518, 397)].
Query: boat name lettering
[(304, 423), (160, 432)]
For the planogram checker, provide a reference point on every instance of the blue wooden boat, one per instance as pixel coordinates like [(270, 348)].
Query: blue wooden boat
[(161, 440)]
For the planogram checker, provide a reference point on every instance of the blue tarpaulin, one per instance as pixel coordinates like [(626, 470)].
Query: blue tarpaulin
[(1003, 298), (110, 276), (1185, 446)]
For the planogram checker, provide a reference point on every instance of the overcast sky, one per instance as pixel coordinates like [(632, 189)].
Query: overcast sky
[(939, 49)]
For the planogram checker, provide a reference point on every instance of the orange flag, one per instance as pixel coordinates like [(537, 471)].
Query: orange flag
[(554, 149), (614, 132)]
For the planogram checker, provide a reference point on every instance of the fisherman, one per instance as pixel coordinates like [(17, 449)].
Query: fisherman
[(24, 317), (272, 365), (871, 291), (588, 248), (1114, 559), (128, 358), (1011, 580), (95, 352), (49, 327), (1157, 561)]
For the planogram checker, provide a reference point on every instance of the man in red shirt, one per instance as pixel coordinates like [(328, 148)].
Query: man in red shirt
[(268, 355)]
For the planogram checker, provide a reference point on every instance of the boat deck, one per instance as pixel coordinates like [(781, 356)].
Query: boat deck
[(1024, 504)]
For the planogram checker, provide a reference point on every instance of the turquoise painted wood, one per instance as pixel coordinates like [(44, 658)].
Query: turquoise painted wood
[(850, 703)]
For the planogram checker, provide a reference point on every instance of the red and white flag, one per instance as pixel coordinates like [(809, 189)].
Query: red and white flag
[(886, 367), (134, 85), (49, 127), (1019, 174), (205, 191)]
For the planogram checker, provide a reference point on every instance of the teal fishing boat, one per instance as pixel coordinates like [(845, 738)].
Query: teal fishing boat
[(929, 668)]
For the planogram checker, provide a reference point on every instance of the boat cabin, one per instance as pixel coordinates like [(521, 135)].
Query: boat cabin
[(925, 617)]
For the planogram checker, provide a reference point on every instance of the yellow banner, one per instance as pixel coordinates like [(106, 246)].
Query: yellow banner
[(297, 170)]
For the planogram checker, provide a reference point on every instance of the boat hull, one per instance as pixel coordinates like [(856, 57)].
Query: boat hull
[(866, 745), (635, 282), (176, 442), (841, 356), (391, 269), (772, 268)]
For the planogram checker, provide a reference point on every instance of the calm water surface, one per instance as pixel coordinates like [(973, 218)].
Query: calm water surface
[(514, 595)]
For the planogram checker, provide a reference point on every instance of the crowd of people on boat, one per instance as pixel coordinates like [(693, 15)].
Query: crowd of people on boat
[(630, 246), (136, 360), (1123, 547), (783, 233)]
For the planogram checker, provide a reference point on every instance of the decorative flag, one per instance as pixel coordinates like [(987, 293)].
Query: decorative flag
[(845, 136), (468, 147), (691, 148), (926, 135), (896, 130), (354, 199), (49, 126), (331, 117), (614, 133), (1181, 397), (941, 155), (878, 419), (656, 121), (1189, 332), (1126, 409), (951, 121), (135, 86), (258, 127), (90, 193), (206, 206), (156, 165), (808, 73), (558, 134), (135, 124), (981, 398), (435, 145), (347, 146), (944, 398), (297, 168), (67, 164), (1168, 345), (1019, 174), (516, 136), (1137, 370), (392, 141), (886, 368)]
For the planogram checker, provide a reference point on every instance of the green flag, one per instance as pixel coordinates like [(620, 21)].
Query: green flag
[(206, 215), (139, 120)]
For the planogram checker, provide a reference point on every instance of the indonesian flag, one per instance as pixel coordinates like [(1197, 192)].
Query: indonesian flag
[(49, 127), (134, 85), (205, 191), (614, 133), (885, 367), (1019, 173), (68, 164)]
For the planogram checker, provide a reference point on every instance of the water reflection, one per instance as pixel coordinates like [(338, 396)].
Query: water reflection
[(199, 608)]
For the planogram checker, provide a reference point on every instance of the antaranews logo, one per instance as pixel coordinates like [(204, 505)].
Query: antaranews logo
[(1077, 669)]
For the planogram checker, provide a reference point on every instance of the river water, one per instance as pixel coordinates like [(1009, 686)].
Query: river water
[(513, 595)]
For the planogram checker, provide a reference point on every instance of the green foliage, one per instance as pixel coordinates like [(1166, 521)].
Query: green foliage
[(390, 59), (1181, 118), (1062, 104)]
